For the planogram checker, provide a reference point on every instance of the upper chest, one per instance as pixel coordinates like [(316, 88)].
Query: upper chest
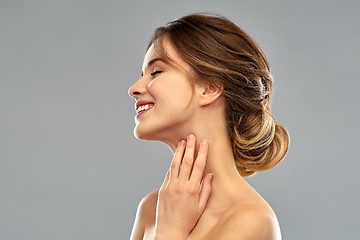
[(204, 229)]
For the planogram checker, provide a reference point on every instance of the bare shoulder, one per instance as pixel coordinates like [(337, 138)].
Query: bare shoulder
[(249, 222), (148, 205), (145, 215)]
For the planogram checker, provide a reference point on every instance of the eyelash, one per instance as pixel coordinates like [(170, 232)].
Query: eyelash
[(156, 72)]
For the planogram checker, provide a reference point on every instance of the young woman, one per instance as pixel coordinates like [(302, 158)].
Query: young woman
[(205, 91)]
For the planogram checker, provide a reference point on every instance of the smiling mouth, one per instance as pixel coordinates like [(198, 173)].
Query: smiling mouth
[(143, 108)]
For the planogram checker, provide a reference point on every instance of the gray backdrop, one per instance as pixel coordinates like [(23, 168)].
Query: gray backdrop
[(70, 167)]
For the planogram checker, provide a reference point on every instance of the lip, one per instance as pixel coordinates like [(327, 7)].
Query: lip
[(142, 102)]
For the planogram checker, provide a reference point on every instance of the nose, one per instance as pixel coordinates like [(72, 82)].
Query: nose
[(138, 89)]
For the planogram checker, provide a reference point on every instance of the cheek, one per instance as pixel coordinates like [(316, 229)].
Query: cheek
[(153, 86), (158, 87), (171, 91)]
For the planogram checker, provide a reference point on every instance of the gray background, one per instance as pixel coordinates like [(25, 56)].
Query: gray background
[(70, 167)]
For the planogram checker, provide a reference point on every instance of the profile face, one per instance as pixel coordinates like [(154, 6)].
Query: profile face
[(168, 89)]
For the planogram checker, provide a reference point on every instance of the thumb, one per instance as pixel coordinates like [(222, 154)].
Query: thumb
[(205, 191)]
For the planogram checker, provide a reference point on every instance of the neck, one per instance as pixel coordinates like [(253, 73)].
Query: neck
[(226, 178), (220, 161)]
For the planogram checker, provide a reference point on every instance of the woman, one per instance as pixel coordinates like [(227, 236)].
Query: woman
[(205, 91)]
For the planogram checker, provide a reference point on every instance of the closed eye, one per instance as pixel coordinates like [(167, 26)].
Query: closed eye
[(156, 72)]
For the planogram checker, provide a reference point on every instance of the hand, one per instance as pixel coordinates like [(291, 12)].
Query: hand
[(183, 194)]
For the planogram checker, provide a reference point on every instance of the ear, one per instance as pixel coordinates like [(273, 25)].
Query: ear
[(208, 93)]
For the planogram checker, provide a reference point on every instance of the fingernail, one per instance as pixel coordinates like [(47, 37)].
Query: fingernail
[(181, 142), (191, 137), (210, 176), (203, 143)]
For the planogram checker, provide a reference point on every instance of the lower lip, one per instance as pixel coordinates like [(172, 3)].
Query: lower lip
[(142, 112)]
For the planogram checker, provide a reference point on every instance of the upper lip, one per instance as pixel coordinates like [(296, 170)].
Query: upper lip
[(142, 102)]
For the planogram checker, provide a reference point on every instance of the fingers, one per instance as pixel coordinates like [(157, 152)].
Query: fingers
[(188, 158), (184, 167), (175, 164), (205, 191), (199, 164), (166, 180)]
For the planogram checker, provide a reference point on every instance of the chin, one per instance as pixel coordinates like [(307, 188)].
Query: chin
[(144, 135), (140, 135), (159, 130)]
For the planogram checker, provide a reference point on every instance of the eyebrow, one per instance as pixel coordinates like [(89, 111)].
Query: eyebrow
[(152, 62)]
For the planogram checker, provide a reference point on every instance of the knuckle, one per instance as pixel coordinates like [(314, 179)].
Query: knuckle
[(199, 165), (179, 149), (193, 189), (202, 153), (174, 160), (181, 188), (190, 145), (187, 162), (174, 166)]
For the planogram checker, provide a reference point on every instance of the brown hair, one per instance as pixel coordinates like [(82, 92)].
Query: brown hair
[(220, 53)]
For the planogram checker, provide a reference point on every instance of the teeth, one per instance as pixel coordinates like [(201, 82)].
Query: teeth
[(143, 107)]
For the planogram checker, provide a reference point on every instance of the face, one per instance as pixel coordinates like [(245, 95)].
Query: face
[(167, 87)]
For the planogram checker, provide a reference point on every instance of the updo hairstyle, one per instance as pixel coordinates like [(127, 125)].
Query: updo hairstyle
[(220, 53)]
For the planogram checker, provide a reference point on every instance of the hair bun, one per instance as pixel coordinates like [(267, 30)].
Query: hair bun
[(259, 145)]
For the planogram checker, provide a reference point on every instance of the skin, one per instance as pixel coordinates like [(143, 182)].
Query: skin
[(225, 207)]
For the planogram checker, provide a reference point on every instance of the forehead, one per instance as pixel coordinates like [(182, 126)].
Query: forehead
[(170, 52)]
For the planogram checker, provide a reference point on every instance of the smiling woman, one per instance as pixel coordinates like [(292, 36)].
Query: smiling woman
[(205, 91), (167, 89)]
